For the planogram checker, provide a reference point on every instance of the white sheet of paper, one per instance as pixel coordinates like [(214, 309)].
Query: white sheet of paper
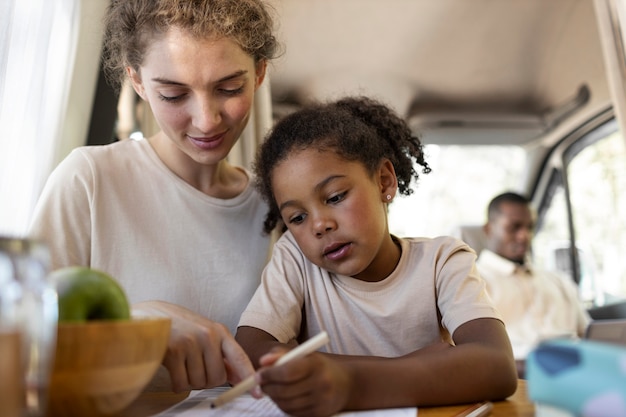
[(198, 404)]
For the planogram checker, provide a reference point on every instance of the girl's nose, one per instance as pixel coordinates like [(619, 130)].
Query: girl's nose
[(323, 225)]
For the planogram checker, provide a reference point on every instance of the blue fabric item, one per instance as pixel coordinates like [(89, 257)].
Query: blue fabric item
[(585, 378), (555, 359)]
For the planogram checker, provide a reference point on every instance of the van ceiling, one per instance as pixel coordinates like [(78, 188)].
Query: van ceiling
[(482, 71)]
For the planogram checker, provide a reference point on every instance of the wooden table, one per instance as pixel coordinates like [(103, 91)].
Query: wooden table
[(518, 405)]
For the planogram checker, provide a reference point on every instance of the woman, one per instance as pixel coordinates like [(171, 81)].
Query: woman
[(177, 225)]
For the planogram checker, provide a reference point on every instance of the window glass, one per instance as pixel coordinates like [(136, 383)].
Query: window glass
[(597, 185), (553, 235), (38, 42), (462, 182), (597, 181), (551, 243)]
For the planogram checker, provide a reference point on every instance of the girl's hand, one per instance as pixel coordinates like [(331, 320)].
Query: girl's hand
[(200, 353), (313, 386)]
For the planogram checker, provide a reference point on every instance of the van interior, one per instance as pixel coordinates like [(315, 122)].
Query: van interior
[(526, 96)]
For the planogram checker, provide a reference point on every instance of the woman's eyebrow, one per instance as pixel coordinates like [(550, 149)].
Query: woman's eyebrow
[(235, 74), (229, 77)]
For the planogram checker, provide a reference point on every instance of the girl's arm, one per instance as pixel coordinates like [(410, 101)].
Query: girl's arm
[(480, 367)]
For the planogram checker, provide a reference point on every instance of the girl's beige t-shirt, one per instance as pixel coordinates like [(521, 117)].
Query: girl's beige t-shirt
[(433, 290)]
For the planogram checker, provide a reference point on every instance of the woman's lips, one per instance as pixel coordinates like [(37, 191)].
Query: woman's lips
[(207, 143), (337, 251)]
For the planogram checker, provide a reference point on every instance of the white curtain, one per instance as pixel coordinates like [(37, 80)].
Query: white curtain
[(36, 54), (611, 17)]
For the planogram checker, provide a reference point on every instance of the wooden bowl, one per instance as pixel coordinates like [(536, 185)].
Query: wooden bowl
[(102, 366)]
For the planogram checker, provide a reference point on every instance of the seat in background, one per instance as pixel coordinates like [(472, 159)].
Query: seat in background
[(608, 331), (609, 311), (608, 323), (473, 235)]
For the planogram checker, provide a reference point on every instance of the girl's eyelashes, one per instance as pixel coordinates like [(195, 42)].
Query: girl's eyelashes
[(336, 198), (296, 219), (333, 199)]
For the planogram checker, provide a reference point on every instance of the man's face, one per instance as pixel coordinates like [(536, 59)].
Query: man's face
[(510, 233)]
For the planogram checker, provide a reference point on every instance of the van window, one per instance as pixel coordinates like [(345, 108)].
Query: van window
[(457, 191), (38, 40), (596, 182)]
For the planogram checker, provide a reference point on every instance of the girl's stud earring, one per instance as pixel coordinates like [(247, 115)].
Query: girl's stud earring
[(388, 197)]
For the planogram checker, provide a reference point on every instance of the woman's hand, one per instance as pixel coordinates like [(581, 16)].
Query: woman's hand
[(200, 353), (313, 386)]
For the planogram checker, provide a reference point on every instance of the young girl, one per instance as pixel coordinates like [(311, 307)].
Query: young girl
[(409, 320), (168, 216)]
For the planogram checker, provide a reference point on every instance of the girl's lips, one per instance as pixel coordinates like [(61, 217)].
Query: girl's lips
[(338, 251), (207, 143)]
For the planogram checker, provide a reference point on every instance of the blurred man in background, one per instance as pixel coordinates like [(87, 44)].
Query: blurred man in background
[(535, 304)]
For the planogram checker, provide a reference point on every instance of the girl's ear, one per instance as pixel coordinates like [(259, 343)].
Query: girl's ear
[(135, 79), (388, 181)]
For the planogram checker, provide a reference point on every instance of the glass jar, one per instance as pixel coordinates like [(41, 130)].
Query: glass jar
[(28, 304)]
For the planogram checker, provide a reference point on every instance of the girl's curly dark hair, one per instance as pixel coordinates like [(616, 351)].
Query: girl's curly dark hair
[(357, 128)]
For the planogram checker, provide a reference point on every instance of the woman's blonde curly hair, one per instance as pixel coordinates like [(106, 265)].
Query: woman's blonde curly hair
[(132, 25)]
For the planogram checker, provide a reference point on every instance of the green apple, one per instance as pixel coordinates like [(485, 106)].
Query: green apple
[(89, 294)]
